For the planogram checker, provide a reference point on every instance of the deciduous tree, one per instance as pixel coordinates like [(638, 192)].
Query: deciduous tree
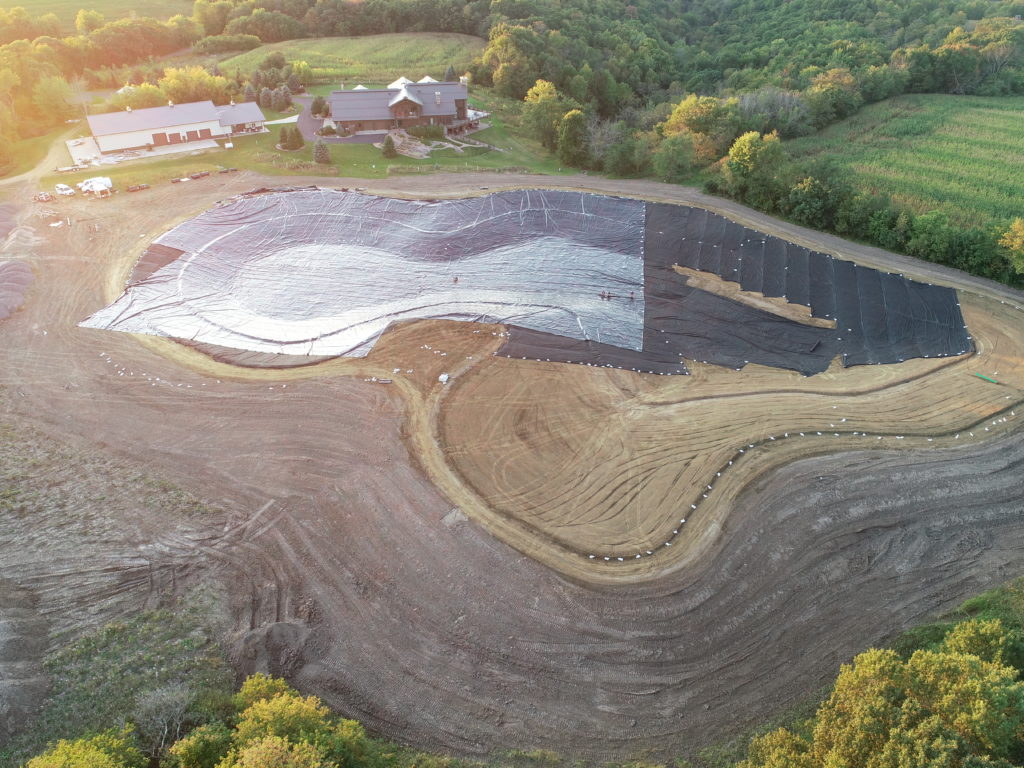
[(572, 139), (1013, 241)]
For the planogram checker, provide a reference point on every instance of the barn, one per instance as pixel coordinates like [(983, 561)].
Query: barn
[(173, 124)]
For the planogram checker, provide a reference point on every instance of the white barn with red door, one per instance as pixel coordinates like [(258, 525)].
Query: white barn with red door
[(173, 124)]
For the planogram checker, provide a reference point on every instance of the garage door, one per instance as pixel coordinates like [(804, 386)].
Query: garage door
[(159, 139), (175, 138), (193, 136), (205, 133)]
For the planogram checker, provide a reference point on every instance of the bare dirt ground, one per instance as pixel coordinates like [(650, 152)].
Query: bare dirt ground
[(371, 536)]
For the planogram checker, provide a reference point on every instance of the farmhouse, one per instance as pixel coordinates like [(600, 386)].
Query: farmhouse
[(173, 124), (407, 104)]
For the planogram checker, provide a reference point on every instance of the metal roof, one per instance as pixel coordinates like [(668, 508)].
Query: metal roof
[(403, 80), (152, 118), (404, 94), (236, 114), (356, 106)]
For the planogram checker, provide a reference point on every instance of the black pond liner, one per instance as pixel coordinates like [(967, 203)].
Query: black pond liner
[(880, 317)]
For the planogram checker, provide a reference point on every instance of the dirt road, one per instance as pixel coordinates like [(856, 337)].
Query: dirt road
[(348, 569)]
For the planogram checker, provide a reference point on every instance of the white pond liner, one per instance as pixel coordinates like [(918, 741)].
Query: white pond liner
[(325, 272)]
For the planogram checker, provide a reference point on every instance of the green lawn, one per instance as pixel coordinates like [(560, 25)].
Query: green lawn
[(258, 153), (370, 59), (963, 155), (66, 10)]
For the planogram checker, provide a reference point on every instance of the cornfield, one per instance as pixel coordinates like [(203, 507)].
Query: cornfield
[(962, 155)]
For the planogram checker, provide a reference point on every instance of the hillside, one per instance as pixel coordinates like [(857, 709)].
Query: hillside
[(371, 59), (963, 155)]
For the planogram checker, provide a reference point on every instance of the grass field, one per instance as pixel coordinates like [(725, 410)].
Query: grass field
[(371, 59), (963, 155), (66, 10)]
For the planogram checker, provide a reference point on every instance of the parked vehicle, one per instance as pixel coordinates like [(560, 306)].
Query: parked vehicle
[(138, 187), (63, 189), (198, 174), (43, 197)]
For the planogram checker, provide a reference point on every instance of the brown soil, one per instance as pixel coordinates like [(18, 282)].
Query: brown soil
[(343, 534), (776, 305)]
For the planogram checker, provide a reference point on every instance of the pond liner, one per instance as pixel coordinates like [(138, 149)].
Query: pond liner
[(577, 278)]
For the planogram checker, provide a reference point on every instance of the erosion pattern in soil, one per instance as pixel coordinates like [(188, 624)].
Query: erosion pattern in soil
[(379, 543)]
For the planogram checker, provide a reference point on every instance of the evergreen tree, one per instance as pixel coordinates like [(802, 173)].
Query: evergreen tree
[(449, 74), (279, 102), (321, 154), (249, 94), (266, 99), (285, 139), (389, 147), (297, 142)]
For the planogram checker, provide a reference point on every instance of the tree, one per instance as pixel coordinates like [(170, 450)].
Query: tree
[(714, 118), (274, 60), (675, 159), (303, 72), (285, 138), (938, 708), (297, 140), (1013, 241), (268, 26), (266, 98), (53, 97), (260, 687), (573, 140), (249, 94), (276, 752), (289, 716), (280, 100), (112, 749), (203, 747), (139, 97), (449, 74), (931, 237), (754, 170), (319, 106), (212, 15), (321, 153), (87, 21), (195, 83), (160, 715), (388, 149), (833, 95), (543, 111)]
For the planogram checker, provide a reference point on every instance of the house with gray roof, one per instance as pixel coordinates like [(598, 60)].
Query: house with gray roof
[(404, 106), (173, 124)]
